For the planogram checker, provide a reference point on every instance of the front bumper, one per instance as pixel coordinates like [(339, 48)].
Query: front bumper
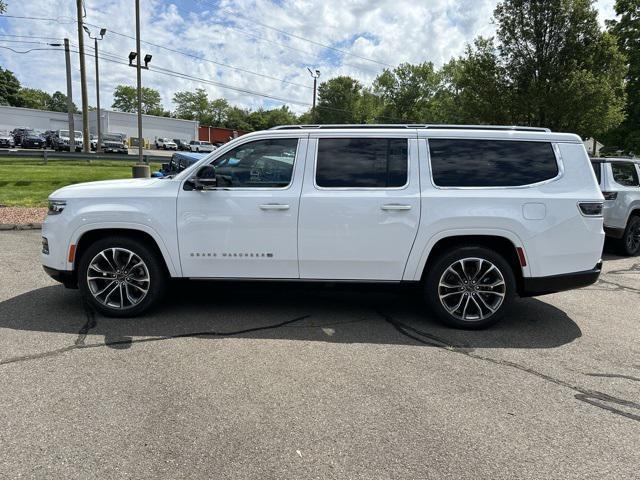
[(533, 286), (68, 278)]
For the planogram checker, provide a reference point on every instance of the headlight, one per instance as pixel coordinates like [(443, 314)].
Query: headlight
[(56, 207)]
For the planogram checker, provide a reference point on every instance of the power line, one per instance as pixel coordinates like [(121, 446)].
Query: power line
[(299, 37), (29, 36)]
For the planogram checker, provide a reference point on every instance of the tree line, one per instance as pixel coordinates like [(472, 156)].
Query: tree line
[(550, 64)]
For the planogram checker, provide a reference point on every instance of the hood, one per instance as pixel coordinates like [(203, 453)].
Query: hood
[(105, 188)]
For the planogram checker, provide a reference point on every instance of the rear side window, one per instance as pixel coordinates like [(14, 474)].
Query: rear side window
[(625, 174), (597, 169), (491, 163), (362, 162)]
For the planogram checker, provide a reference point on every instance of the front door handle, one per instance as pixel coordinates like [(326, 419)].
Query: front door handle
[(274, 206), (395, 206)]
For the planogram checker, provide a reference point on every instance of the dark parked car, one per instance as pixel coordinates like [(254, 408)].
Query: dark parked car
[(60, 141), (180, 161), (113, 143), (181, 143), (32, 139), (18, 133), (48, 138)]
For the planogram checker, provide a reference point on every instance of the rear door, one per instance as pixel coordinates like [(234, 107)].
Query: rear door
[(360, 206)]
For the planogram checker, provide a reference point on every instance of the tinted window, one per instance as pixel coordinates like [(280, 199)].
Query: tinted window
[(362, 162), (263, 163), (490, 163), (625, 174), (597, 169)]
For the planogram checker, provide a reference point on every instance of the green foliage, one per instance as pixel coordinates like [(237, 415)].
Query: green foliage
[(3, 6), (9, 88), (34, 98), (59, 103), (125, 99), (263, 119), (338, 100)]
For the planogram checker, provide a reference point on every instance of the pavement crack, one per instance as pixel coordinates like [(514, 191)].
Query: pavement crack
[(89, 324), (613, 375), (592, 397), (80, 342)]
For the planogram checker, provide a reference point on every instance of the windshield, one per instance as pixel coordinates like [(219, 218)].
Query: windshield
[(111, 138), (205, 143)]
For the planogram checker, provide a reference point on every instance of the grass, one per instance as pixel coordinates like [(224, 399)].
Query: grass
[(28, 182)]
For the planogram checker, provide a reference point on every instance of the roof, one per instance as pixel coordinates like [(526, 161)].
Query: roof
[(414, 126)]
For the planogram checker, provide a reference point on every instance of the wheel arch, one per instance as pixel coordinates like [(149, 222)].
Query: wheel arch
[(496, 242), (86, 236)]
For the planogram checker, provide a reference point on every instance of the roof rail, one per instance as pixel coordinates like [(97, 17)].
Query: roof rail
[(418, 126)]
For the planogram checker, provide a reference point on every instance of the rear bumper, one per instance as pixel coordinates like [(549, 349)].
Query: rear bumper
[(65, 277), (558, 283), (614, 232)]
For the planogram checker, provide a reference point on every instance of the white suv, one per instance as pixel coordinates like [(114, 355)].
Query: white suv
[(619, 180), (476, 215), (166, 144)]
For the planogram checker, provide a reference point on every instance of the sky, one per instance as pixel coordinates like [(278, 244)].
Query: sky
[(255, 46)]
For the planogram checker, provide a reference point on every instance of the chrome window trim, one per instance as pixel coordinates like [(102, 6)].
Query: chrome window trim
[(361, 189), (554, 145)]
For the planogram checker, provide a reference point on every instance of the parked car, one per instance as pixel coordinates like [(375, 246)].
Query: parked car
[(113, 143), (61, 140), (32, 139), (179, 162), (619, 179), (474, 215), (201, 146), (48, 138), (181, 143), (6, 139), (18, 133), (93, 142), (165, 144)]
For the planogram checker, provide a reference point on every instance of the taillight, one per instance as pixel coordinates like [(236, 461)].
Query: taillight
[(591, 209), (610, 195)]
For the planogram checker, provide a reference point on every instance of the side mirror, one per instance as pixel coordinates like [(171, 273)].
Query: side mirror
[(206, 178)]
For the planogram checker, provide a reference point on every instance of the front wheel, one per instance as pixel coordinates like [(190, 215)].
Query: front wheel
[(470, 287), (629, 244), (121, 277)]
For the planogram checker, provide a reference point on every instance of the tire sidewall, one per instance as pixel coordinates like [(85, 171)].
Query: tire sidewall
[(157, 275), (633, 221), (449, 257)]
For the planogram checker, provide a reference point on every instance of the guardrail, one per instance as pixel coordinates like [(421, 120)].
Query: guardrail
[(80, 156)]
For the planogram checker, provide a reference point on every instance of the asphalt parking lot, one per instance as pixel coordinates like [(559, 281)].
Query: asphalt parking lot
[(283, 381)]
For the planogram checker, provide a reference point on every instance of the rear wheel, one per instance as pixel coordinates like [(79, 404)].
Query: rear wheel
[(121, 277), (629, 244), (470, 287)]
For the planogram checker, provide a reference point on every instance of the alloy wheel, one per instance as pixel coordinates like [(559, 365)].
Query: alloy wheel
[(118, 278), (472, 289)]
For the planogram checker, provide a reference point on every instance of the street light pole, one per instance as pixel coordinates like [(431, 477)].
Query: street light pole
[(314, 74), (67, 58), (98, 114), (139, 81)]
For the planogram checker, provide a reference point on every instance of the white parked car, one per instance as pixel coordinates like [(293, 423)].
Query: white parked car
[(6, 139), (201, 146), (619, 180), (476, 215), (166, 144)]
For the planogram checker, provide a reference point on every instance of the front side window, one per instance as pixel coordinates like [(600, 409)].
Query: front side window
[(263, 163), (490, 163), (362, 162), (625, 174)]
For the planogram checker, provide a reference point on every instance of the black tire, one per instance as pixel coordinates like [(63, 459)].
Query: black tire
[(629, 244), (467, 292), (155, 269)]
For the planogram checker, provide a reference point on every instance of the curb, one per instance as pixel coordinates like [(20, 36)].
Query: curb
[(18, 226)]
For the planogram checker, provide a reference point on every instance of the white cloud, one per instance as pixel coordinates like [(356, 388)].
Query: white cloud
[(387, 31)]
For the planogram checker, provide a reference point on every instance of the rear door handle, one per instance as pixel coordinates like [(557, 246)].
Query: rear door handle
[(395, 206), (274, 206)]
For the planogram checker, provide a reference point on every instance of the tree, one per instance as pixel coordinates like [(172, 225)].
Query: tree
[(562, 71), (125, 99), (408, 93), (34, 98), (238, 118), (9, 88), (193, 106), (59, 103), (338, 100), (219, 109), (264, 119), (3, 6), (627, 32)]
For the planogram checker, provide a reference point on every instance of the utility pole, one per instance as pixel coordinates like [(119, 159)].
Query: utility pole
[(67, 58), (314, 74), (98, 115), (86, 145)]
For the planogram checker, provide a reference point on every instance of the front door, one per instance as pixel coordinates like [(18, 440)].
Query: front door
[(360, 208), (246, 227)]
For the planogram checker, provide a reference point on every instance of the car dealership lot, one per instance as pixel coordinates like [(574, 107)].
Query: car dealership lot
[(318, 382)]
